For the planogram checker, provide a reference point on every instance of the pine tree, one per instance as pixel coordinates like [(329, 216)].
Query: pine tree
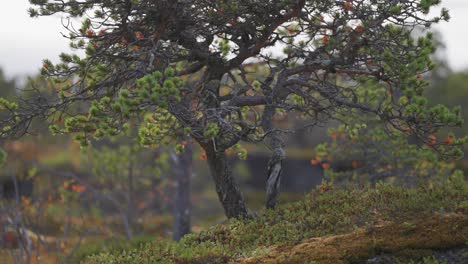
[(187, 67)]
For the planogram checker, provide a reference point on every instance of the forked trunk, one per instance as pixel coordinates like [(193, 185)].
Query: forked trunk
[(228, 192)]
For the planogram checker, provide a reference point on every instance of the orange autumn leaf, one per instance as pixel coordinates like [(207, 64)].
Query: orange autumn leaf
[(449, 140), (233, 22), (291, 30), (355, 164), (139, 35), (314, 161), (78, 188), (203, 156), (89, 32), (325, 165), (229, 152), (325, 188), (348, 6), (26, 201), (325, 40), (102, 32), (141, 205), (124, 42), (359, 29)]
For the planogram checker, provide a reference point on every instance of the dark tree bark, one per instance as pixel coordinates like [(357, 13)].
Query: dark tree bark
[(228, 192), (274, 171), (275, 164), (182, 204), (130, 215)]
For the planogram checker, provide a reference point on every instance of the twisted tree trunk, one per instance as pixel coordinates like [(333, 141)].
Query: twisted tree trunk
[(275, 164), (228, 192), (274, 171)]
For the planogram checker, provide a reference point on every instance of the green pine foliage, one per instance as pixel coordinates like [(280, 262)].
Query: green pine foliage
[(363, 153), (368, 149), (120, 52)]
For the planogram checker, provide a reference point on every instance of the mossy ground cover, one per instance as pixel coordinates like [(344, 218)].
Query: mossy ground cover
[(406, 241), (384, 219)]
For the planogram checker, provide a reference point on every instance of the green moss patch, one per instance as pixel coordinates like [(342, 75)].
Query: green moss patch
[(374, 220)]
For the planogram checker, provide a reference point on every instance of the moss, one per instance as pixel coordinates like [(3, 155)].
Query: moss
[(352, 223), (406, 255), (99, 246), (434, 233)]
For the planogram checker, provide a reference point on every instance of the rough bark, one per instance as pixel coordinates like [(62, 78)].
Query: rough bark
[(182, 205), (228, 192), (275, 164), (274, 172)]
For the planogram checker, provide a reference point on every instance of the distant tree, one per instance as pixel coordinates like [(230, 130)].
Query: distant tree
[(182, 168), (184, 66), (127, 174), (451, 89), (7, 91), (8, 87)]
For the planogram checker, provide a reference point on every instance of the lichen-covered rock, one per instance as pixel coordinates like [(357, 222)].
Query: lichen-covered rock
[(398, 241)]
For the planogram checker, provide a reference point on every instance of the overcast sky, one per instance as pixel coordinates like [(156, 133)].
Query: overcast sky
[(25, 41)]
